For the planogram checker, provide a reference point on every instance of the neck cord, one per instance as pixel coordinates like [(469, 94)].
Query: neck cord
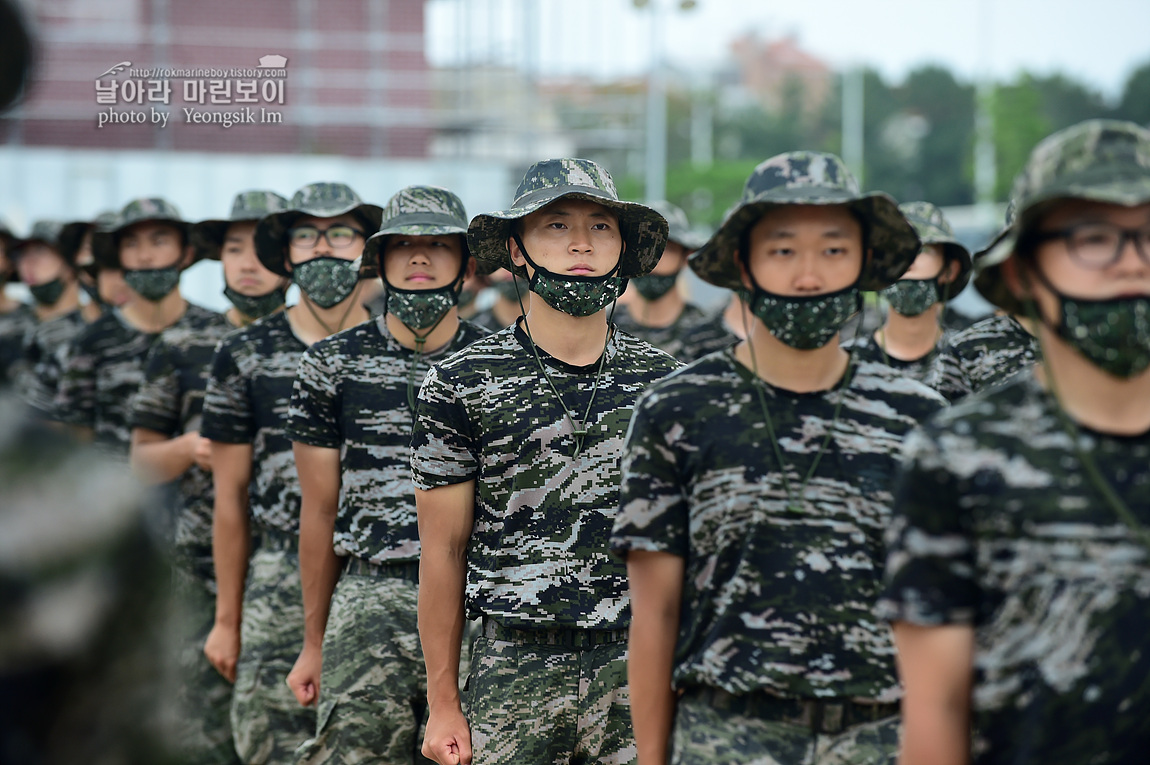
[(1092, 472), (578, 427), (315, 315), (420, 350), (795, 499)]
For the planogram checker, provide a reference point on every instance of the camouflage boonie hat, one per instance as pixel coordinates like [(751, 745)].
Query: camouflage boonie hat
[(43, 231), (419, 211), (678, 227), (644, 230), (932, 228), (321, 200), (105, 238), (208, 235), (811, 178), (1096, 160)]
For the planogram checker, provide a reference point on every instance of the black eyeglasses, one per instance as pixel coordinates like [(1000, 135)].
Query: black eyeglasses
[(339, 237), (1099, 245)]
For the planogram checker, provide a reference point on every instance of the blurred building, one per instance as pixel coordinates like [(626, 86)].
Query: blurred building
[(766, 69), (355, 79)]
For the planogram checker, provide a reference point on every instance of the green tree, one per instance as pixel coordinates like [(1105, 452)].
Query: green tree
[(1019, 124), (1135, 103)]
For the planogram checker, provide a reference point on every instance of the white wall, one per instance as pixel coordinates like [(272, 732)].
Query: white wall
[(74, 184)]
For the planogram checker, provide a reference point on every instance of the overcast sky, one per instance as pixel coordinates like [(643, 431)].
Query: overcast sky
[(1096, 41)]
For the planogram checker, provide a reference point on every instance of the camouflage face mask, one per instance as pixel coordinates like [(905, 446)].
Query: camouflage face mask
[(153, 284), (1113, 334), (327, 281), (256, 306), (47, 293), (912, 297), (653, 287), (574, 295), (420, 309), (805, 323)]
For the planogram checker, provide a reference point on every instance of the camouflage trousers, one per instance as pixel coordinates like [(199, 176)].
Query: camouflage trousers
[(533, 702), (267, 721), (373, 690), (202, 729), (706, 734)]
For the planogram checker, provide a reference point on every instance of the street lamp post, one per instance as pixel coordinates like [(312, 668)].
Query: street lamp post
[(655, 166)]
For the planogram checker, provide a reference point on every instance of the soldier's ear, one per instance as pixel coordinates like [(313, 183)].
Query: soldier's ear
[(469, 270), (1017, 281), (516, 254), (744, 274)]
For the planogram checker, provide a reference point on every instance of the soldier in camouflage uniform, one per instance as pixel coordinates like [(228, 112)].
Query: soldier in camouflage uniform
[(515, 457), (318, 240), (167, 446), (51, 277), (722, 329), (1019, 563), (993, 350), (105, 364), (351, 421), (15, 317), (913, 335), (82, 589), (756, 485), (657, 312)]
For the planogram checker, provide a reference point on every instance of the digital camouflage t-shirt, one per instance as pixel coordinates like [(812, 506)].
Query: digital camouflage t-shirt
[(247, 402), (776, 596), (170, 401), (707, 336), (351, 394), (998, 526), (926, 369), (14, 327), (103, 369), (538, 552), (45, 351), (670, 339), (985, 354)]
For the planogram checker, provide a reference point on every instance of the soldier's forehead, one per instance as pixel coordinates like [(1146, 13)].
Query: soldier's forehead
[(150, 226), (569, 205), (312, 220)]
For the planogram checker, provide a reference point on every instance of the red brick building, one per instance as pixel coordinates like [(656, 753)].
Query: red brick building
[(355, 83)]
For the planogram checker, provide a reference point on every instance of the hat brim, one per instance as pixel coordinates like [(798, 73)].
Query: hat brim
[(891, 239), (271, 248), (643, 229)]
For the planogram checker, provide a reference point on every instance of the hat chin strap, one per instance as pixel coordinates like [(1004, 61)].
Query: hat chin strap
[(540, 270)]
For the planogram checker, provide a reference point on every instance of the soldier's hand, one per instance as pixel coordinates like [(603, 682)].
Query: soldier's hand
[(203, 453), (447, 739), (304, 676), (223, 650)]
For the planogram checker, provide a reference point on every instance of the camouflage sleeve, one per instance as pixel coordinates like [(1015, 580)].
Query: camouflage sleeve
[(156, 405), (314, 415), (950, 377), (443, 448), (930, 565), (653, 508), (227, 403), (75, 402)]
